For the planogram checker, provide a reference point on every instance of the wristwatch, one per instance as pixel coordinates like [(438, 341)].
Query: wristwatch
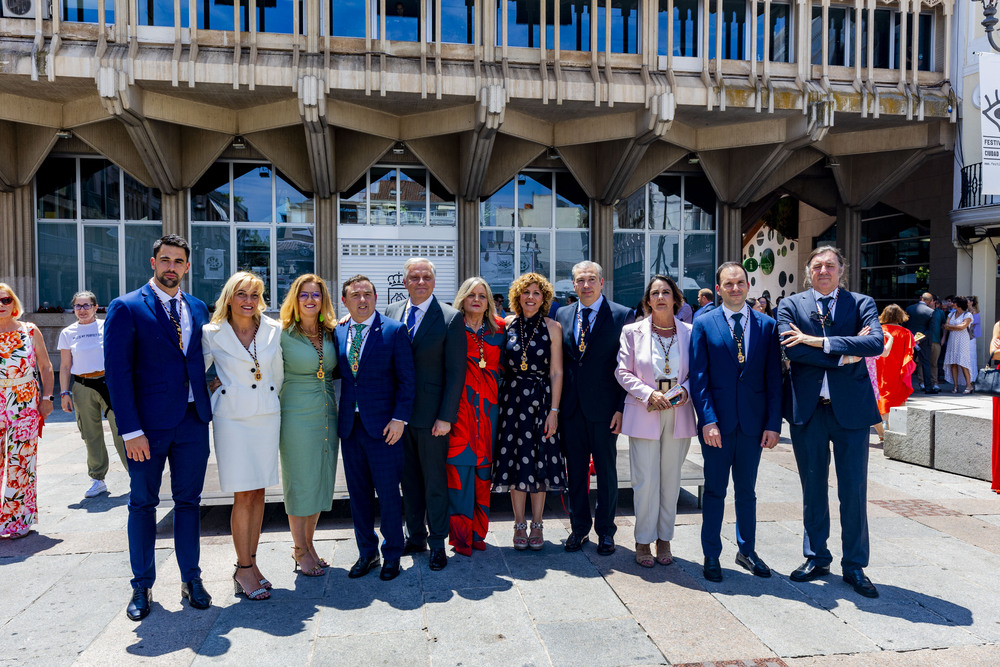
[(47, 398)]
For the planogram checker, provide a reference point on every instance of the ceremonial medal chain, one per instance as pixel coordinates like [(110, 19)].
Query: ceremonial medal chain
[(253, 354), (479, 341), (356, 364), (666, 350), (583, 332), (175, 322), (524, 343), (319, 350), (739, 341), (823, 318)]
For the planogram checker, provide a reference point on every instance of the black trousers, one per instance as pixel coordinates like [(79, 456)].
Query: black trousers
[(425, 486), (582, 439)]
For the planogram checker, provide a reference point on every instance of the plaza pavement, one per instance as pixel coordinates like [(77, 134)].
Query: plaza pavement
[(935, 541)]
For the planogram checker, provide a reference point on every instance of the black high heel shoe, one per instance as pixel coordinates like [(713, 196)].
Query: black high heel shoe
[(263, 582)]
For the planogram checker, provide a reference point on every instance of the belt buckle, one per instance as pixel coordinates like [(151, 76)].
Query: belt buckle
[(665, 385)]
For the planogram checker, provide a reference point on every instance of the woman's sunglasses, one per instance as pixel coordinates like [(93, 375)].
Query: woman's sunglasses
[(6, 300)]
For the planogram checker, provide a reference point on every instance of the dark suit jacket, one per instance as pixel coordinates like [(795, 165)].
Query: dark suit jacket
[(148, 375), (589, 382), (439, 349), (920, 315), (851, 395), (383, 389), (750, 401)]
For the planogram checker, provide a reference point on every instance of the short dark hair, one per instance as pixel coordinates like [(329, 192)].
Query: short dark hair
[(359, 278), (673, 288), (961, 302), (729, 265), (172, 240)]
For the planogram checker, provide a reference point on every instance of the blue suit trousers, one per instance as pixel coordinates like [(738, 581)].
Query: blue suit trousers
[(186, 448), (739, 454), (811, 444), (371, 466)]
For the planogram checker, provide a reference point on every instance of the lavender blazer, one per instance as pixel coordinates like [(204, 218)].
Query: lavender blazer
[(636, 374)]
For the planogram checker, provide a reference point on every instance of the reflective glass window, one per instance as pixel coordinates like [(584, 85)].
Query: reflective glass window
[(100, 190), (100, 251), (780, 30), (354, 203), (496, 259), (382, 196), (624, 26), (402, 20), (141, 203), (534, 199), (412, 196), (536, 252), (253, 253), (458, 21), (347, 18), (497, 210), (630, 212), (55, 187), (571, 248), (252, 192), (628, 256), (210, 195), (664, 254), (58, 264), (572, 203), (88, 11), (699, 265), (665, 202), (443, 208), (139, 241), (699, 204), (296, 250), (292, 205), (210, 261), (734, 29)]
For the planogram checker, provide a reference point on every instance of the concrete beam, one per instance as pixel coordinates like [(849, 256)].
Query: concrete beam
[(477, 146), (25, 148), (190, 113), (286, 148), (815, 187), (268, 116), (442, 156), (441, 121), (362, 119), (509, 156), (356, 153), (659, 157), (862, 180), (112, 140), (651, 125), (21, 109), (907, 137), (200, 150), (318, 134)]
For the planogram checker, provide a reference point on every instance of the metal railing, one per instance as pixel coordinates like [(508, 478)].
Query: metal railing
[(972, 188)]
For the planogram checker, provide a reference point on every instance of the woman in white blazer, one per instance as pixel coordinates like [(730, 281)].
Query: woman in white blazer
[(245, 347), (658, 418)]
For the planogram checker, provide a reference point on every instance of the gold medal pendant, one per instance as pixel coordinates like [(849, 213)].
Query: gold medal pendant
[(257, 376), (320, 374), (524, 365), (740, 357), (583, 346), (482, 363), (666, 368)]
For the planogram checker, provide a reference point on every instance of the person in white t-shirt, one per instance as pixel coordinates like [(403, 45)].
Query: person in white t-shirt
[(81, 346)]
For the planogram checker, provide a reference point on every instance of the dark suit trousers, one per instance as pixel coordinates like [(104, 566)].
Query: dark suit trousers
[(371, 467), (739, 454), (425, 486), (581, 439), (811, 444), (186, 448), (924, 376)]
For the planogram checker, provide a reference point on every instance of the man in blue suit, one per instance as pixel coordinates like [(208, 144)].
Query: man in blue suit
[(376, 402), (736, 389), (156, 377), (826, 332)]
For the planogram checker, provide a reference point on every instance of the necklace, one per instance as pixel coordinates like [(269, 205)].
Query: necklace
[(824, 317), (739, 341), (315, 338), (253, 353), (657, 326), (666, 350), (479, 341), (525, 343)]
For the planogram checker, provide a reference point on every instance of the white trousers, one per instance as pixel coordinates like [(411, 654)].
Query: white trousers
[(656, 481)]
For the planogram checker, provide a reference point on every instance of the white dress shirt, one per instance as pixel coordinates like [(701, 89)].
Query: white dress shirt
[(824, 391), (744, 322), (578, 318), (421, 311)]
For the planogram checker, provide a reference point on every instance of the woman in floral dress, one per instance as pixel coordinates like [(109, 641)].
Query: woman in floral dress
[(21, 346), (470, 442)]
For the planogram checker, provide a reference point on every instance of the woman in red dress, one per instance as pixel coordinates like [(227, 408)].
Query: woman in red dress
[(896, 367), (470, 442)]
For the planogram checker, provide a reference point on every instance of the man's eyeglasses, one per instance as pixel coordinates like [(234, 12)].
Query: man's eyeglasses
[(82, 306), (7, 300), (310, 295)]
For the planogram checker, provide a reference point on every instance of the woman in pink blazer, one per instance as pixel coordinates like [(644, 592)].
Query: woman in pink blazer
[(659, 419)]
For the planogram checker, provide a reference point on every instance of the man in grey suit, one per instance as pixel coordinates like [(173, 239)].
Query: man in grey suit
[(437, 334), (921, 313)]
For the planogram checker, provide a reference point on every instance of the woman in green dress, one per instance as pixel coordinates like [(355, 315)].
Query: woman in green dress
[(308, 446)]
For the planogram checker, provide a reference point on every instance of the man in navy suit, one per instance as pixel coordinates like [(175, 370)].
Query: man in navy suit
[(156, 377), (826, 332), (591, 405), (706, 301), (736, 389), (376, 402)]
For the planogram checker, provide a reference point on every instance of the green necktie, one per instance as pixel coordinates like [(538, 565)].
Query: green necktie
[(355, 353)]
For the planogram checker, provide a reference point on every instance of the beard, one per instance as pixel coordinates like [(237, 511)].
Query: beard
[(166, 281)]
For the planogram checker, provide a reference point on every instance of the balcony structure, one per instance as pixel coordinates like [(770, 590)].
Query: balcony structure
[(835, 104)]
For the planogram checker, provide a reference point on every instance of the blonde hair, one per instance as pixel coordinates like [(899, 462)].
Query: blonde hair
[(222, 308), (18, 308), (490, 316), (522, 283), (290, 314)]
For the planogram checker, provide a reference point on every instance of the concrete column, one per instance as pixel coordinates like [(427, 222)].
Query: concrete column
[(602, 223), (730, 235), (849, 241), (326, 240), (468, 239), (17, 244), (173, 209)]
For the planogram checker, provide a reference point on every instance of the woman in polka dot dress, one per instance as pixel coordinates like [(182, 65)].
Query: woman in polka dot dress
[(529, 458)]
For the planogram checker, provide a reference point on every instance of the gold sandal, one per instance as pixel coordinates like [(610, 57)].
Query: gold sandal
[(314, 572), (663, 555), (643, 556)]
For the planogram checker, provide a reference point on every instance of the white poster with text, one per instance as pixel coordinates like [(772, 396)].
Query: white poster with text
[(989, 85)]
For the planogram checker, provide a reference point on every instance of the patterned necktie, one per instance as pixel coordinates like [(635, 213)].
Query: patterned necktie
[(738, 339), (411, 321), (584, 328), (355, 352), (176, 319), (825, 315)]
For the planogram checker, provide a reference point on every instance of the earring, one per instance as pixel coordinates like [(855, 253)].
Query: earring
[(321, 317), (296, 318)]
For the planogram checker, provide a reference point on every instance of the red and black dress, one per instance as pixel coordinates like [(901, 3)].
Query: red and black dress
[(470, 443)]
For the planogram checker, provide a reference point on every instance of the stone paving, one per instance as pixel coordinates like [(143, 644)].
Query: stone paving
[(935, 554)]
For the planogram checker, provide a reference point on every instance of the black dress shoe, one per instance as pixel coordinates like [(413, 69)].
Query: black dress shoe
[(439, 559), (363, 566), (575, 541), (808, 571), (414, 547), (712, 569), (138, 606), (196, 594), (752, 563), (605, 545), (390, 570), (862, 584)]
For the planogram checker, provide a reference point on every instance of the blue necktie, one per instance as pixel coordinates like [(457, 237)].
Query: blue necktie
[(176, 319), (411, 321)]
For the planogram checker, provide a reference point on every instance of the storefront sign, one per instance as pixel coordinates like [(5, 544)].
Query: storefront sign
[(989, 85)]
